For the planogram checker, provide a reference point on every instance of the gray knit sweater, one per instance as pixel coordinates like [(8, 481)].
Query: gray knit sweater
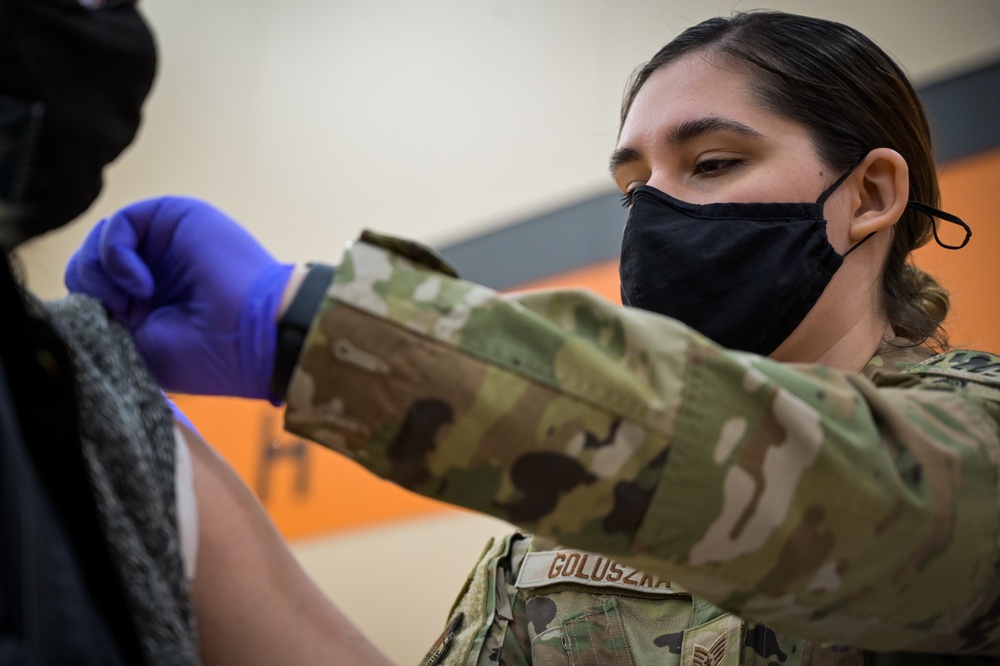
[(128, 442)]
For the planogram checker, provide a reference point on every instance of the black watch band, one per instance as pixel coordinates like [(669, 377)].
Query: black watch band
[(294, 325)]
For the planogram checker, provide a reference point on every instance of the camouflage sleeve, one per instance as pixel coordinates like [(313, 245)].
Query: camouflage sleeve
[(818, 502)]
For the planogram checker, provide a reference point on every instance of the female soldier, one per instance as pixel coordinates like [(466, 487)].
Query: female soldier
[(700, 136), (789, 452)]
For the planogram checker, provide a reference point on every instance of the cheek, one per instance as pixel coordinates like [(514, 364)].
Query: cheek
[(838, 222)]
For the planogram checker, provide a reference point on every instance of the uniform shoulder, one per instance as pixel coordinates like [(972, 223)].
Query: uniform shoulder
[(412, 250), (975, 371)]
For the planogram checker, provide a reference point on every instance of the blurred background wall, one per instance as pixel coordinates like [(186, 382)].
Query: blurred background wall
[(483, 127)]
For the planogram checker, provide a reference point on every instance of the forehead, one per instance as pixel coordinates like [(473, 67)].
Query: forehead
[(693, 87)]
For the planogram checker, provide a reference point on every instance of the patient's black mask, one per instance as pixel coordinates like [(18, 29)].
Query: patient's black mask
[(73, 77)]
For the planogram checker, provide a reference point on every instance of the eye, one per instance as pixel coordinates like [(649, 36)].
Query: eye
[(628, 196), (713, 167)]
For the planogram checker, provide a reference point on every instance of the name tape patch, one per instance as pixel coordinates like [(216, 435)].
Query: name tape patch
[(553, 567)]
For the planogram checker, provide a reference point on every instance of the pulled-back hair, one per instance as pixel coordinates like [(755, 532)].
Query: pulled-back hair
[(852, 98)]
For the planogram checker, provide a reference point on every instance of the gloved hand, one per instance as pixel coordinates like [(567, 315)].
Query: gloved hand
[(198, 293)]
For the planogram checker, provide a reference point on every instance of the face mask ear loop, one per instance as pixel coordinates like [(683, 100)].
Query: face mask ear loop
[(858, 244), (840, 181), (833, 188), (935, 215)]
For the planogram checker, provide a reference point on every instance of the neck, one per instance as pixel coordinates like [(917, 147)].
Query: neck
[(844, 349), (847, 325)]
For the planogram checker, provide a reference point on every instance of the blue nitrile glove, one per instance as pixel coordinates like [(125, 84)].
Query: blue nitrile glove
[(198, 293)]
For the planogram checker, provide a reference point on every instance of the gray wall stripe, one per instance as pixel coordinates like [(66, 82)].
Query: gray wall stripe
[(964, 113), (582, 233)]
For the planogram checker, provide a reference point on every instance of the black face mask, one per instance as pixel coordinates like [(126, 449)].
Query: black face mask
[(743, 274), (73, 77)]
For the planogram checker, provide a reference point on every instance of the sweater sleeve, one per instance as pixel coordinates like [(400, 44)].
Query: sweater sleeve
[(821, 503)]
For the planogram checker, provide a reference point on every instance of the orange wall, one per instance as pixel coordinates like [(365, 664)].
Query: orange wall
[(970, 188), (310, 490)]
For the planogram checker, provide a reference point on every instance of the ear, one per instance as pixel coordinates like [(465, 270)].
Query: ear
[(881, 188)]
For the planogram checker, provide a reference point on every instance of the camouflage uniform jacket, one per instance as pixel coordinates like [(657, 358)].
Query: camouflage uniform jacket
[(528, 602), (831, 506)]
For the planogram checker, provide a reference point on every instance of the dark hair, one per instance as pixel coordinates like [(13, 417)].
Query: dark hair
[(852, 98)]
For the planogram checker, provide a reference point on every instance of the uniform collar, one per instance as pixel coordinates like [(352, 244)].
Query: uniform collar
[(897, 354)]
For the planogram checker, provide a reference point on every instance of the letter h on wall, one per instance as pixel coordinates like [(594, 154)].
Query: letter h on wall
[(276, 449)]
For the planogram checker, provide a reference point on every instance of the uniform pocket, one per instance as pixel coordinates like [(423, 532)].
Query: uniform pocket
[(591, 637)]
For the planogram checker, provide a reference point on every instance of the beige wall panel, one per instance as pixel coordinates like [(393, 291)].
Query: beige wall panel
[(398, 581), (307, 119)]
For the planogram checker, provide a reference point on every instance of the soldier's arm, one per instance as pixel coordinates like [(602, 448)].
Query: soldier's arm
[(799, 496)]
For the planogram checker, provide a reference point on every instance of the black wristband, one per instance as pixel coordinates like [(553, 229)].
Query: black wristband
[(294, 325)]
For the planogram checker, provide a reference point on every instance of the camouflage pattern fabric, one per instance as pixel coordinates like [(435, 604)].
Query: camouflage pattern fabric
[(827, 505), (528, 602)]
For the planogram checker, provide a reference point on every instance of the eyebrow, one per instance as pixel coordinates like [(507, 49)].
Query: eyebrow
[(686, 131)]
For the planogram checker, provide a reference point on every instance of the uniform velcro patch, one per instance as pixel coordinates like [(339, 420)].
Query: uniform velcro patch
[(976, 373), (558, 567)]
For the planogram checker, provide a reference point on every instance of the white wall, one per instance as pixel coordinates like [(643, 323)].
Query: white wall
[(308, 119)]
